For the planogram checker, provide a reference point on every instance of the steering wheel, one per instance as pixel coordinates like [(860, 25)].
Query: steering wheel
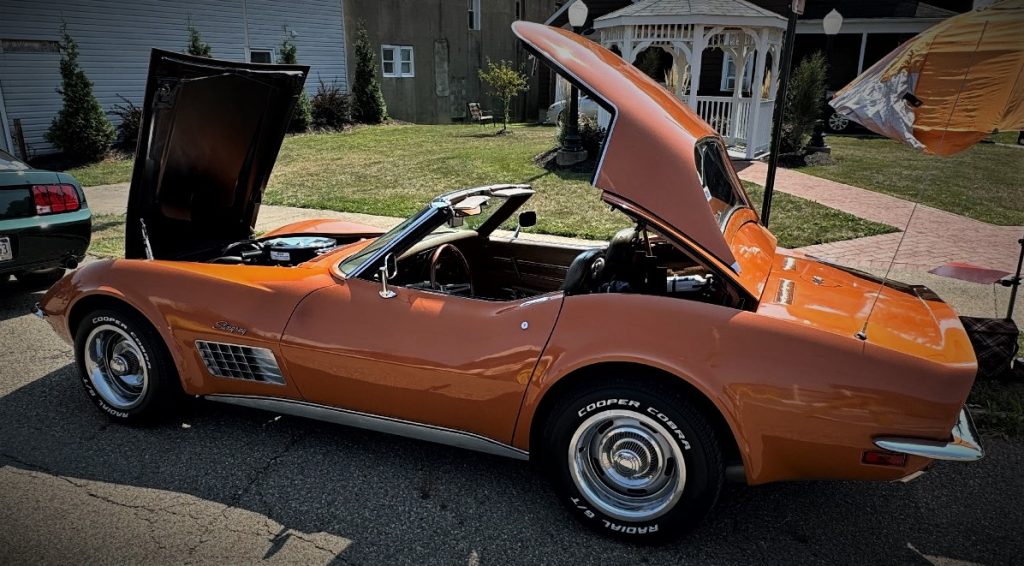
[(435, 260)]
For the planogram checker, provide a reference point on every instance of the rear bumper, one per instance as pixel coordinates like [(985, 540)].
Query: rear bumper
[(43, 242), (965, 445)]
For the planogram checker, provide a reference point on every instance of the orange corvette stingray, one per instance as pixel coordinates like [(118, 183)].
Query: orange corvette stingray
[(639, 374)]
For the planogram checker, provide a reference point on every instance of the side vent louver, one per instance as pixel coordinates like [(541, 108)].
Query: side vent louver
[(240, 362)]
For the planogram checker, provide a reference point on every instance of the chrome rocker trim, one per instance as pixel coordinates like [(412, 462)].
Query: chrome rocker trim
[(964, 447), (388, 425), (38, 311)]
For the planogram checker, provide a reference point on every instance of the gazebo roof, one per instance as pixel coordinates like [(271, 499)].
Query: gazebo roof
[(711, 12)]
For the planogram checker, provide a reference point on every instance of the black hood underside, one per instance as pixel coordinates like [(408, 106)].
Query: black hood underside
[(210, 134)]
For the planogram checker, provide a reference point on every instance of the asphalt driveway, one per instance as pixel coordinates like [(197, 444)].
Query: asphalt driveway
[(222, 484)]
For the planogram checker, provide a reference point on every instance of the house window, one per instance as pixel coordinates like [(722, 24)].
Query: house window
[(474, 14), (519, 9), (397, 61), (729, 73), (261, 55)]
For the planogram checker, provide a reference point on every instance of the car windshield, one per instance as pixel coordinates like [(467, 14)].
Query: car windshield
[(470, 213), (720, 187), (353, 263), (10, 163)]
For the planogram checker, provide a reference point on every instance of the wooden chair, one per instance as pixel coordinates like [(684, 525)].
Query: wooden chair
[(478, 115)]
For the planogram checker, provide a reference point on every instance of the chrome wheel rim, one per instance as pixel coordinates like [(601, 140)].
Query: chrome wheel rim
[(115, 367), (837, 122), (627, 465)]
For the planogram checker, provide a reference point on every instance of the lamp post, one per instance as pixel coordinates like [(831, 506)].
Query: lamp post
[(831, 23), (572, 150), (795, 9)]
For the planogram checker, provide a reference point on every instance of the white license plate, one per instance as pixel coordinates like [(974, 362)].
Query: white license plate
[(6, 253)]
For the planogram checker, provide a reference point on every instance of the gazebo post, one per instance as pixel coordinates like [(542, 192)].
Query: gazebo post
[(698, 54), (755, 95), (739, 54), (627, 44)]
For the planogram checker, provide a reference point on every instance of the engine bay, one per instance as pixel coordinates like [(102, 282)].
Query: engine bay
[(287, 251)]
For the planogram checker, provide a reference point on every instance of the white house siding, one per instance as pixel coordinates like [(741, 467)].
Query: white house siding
[(115, 37)]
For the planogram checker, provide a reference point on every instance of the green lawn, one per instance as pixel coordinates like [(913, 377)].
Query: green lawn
[(395, 170), (1005, 137), (985, 182), (107, 235), (111, 170)]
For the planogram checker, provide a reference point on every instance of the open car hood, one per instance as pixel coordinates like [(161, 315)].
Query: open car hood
[(208, 139), (649, 153)]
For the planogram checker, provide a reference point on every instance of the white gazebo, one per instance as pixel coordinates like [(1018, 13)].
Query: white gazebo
[(749, 34)]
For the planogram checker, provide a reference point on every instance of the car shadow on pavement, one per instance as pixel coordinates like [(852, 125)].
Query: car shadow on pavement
[(16, 297), (396, 498)]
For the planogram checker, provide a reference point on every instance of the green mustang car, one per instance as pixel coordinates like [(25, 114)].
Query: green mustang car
[(45, 225)]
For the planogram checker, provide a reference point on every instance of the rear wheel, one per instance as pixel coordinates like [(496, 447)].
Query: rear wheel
[(125, 367), (632, 461)]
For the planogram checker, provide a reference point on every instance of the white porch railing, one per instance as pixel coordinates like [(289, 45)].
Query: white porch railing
[(733, 120)]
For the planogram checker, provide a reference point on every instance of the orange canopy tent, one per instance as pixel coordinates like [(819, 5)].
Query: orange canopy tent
[(949, 87)]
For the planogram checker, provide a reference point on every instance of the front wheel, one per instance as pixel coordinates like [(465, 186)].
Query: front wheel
[(640, 463), (125, 366)]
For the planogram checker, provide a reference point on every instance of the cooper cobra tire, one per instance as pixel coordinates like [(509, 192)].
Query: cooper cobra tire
[(637, 462), (125, 367)]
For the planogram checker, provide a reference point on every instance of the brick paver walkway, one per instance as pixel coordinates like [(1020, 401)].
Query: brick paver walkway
[(933, 238)]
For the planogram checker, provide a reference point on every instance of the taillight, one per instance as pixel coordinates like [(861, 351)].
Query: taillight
[(54, 199)]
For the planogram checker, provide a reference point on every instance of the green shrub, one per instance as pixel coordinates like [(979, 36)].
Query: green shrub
[(81, 129), (196, 45), (302, 116), (128, 129), (330, 108), (368, 105), (804, 97), (592, 135)]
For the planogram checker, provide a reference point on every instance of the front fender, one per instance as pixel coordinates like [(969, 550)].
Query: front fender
[(185, 302)]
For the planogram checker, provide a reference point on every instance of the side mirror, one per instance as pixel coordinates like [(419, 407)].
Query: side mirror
[(526, 219), (388, 271)]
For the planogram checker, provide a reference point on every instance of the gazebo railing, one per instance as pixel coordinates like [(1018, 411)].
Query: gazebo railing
[(733, 120)]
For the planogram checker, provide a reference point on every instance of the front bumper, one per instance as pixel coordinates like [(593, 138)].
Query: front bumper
[(965, 445)]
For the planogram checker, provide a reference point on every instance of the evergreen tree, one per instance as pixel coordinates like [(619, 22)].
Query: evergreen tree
[(302, 116), (803, 102), (81, 129), (196, 45), (367, 99)]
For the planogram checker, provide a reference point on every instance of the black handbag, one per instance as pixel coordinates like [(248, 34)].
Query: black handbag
[(995, 344)]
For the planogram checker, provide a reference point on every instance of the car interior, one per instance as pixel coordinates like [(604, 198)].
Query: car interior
[(635, 260), (463, 253)]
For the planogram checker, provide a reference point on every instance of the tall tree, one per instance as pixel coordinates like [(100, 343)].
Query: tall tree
[(367, 100), (196, 45), (81, 129), (302, 116), (506, 83)]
